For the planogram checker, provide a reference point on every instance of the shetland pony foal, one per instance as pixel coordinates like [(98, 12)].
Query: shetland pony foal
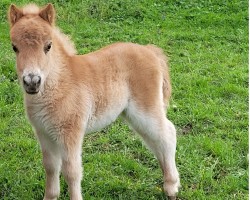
[(67, 95)]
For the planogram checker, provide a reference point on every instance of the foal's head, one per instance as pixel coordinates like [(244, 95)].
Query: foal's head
[(31, 36)]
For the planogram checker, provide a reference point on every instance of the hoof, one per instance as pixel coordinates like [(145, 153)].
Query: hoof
[(171, 189)]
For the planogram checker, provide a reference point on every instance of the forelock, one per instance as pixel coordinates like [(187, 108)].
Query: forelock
[(31, 9), (31, 30)]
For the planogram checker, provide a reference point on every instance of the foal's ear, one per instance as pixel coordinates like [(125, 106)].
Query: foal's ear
[(14, 14), (48, 13)]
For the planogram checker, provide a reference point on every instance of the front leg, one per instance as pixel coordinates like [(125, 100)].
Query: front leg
[(72, 171), (72, 166), (52, 161), (52, 165)]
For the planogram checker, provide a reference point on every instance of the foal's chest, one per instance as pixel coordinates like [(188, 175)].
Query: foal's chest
[(42, 119)]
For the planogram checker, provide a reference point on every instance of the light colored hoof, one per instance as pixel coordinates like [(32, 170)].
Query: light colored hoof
[(172, 189)]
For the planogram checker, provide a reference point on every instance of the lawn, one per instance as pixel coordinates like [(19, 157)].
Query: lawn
[(207, 43)]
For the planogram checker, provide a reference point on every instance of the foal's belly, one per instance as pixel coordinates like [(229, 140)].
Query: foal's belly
[(108, 105), (105, 118)]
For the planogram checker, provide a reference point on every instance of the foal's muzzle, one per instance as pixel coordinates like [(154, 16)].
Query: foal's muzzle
[(31, 83)]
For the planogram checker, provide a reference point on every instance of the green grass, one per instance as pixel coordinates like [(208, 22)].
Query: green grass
[(207, 42)]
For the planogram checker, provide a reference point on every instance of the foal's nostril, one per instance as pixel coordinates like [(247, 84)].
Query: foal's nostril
[(26, 80), (36, 80), (39, 80)]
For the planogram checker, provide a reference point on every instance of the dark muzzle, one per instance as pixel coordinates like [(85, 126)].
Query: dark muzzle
[(31, 83)]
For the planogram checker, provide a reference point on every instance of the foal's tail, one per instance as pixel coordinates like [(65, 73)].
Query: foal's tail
[(166, 87)]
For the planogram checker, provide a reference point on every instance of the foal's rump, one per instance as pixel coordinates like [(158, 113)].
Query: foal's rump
[(148, 77)]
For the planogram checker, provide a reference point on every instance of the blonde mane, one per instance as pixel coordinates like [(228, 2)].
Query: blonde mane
[(31, 9), (68, 45)]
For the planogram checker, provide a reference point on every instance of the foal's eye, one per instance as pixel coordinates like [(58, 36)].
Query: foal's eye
[(47, 47), (14, 48)]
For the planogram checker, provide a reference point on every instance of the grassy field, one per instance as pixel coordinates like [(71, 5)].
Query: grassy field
[(207, 42)]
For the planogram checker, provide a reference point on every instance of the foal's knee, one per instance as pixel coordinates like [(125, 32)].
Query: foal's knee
[(72, 171)]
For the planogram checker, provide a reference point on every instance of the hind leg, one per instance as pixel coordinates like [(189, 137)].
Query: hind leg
[(160, 136)]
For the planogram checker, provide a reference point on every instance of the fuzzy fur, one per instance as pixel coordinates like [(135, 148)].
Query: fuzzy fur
[(83, 93)]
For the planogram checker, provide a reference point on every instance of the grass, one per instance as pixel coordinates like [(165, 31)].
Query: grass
[(207, 42)]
